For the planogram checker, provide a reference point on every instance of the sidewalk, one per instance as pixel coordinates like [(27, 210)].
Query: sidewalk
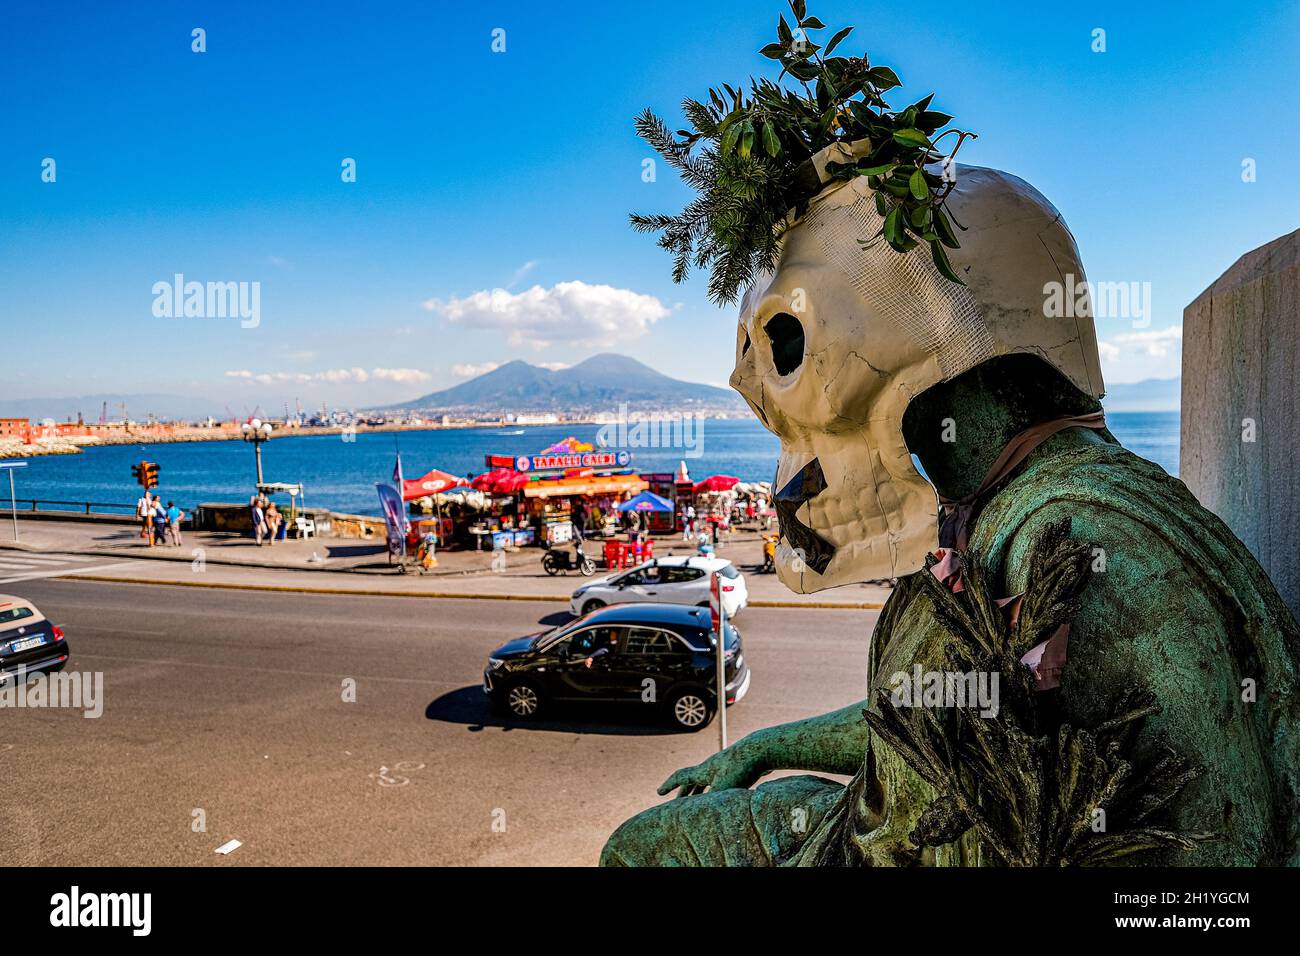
[(298, 565)]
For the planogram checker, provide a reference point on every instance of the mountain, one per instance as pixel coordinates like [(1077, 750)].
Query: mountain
[(1148, 395), (602, 382), (167, 407)]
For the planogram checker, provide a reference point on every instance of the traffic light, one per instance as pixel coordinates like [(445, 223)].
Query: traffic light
[(145, 474)]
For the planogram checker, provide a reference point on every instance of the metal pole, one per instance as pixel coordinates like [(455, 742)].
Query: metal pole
[(13, 502), (722, 673), (257, 451)]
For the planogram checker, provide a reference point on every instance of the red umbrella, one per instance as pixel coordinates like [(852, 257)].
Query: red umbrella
[(430, 484), (716, 483), (500, 481)]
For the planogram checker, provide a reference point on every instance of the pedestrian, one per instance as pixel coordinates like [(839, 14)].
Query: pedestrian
[(174, 518), (144, 512), (259, 519), (159, 536), (690, 522), (273, 521)]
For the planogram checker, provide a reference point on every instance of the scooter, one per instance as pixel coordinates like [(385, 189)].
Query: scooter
[(554, 561)]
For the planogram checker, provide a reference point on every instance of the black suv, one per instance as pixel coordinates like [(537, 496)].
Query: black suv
[(663, 655)]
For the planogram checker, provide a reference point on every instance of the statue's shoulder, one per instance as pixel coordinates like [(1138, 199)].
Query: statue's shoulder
[(1115, 500)]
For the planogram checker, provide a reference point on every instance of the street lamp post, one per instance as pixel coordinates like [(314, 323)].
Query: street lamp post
[(256, 431)]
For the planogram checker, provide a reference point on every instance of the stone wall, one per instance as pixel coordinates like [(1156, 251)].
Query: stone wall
[(1241, 406)]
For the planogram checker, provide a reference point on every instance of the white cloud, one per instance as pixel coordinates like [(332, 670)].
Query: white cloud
[(1155, 343), (555, 366), (599, 316), (334, 376), (469, 370), (403, 376)]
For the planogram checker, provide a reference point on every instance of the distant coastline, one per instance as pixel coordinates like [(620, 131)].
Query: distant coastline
[(228, 432)]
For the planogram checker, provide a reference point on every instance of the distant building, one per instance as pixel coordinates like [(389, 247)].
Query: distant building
[(16, 428)]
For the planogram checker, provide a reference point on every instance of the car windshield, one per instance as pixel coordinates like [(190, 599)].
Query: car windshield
[(729, 571), (10, 614)]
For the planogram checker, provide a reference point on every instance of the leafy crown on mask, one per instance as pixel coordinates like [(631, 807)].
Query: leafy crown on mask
[(749, 156)]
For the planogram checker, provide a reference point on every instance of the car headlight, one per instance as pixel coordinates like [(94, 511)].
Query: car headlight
[(580, 592), (494, 663)]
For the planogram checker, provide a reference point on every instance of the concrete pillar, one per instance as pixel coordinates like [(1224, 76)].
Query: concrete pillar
[(1241, 406)]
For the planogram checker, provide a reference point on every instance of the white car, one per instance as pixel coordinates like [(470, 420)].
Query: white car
[(672, 580)]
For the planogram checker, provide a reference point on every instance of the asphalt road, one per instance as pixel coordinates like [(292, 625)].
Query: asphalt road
[(232, 703)]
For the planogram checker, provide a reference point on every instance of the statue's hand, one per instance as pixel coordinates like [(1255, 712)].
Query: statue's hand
[(740, 765)]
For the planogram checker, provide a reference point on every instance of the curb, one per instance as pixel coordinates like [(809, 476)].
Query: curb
[(437, 595)]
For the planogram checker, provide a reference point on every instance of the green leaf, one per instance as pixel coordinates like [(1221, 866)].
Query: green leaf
[(729, 139), (799, 8), (944, 230), (884, 78), (783, 31), (944, 266), (835, 40), (911, 137), (931, 120), (770, 141), (891, 225), (747, 140), (812, 23), (920, 189), (882, 206), (805, 70), (874, 170), (773, 51)]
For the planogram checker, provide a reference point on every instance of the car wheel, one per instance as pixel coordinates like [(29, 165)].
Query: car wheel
[(523, 701), (592, 605), (689, 709)]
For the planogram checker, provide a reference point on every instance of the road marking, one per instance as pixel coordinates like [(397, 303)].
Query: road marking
[(26, 558), (64, 572)]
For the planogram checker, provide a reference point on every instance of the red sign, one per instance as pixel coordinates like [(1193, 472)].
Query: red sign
[(715, 602)]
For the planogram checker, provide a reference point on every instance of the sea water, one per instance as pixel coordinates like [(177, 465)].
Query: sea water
[(340, 474)]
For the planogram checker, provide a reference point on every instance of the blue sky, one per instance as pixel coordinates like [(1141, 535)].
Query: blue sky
[(479, 170)]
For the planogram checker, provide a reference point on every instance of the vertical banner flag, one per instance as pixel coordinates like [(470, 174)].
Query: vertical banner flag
[(394, 518)]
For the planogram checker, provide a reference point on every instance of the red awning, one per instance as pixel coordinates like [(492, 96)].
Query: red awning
[(717, 483), (430, 484)]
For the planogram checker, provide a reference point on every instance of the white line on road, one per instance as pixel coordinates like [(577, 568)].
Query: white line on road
[(26, 558), (64, 572)]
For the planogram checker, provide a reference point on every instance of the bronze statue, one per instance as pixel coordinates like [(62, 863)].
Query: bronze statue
[(1079, 664)]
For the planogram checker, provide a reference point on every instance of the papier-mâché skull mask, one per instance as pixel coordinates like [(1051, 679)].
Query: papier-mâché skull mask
[(839, 338)]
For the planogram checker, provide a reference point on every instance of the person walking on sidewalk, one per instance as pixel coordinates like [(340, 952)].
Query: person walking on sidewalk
[(259, 519), (144, 512), (273, 521), (174, 518), (159, 536)]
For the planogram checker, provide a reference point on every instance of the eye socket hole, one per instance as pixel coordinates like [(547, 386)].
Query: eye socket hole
[(785, 332), (744, 348)]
